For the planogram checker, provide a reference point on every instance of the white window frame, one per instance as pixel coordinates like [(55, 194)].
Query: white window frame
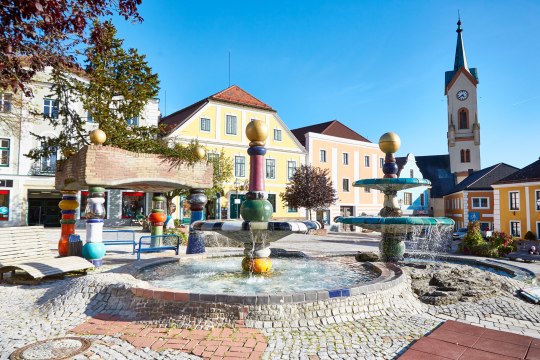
[(381, 162), (4, 149), (289, 173), (538, 230), (49, 106), (277, 135), (518, 200), (537, 200), (345, 185), (518, 225), (133, 121), (231, 127), (322, 155), (270, 164), (5, 102), (480, 198), (407, 198), (367, 161), (239, 166), (203, 122), (345, 157), (422, 199)]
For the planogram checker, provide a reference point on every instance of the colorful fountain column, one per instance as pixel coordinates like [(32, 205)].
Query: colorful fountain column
[(68, 205), (196, 200), (390, 143), (94, 249), (257, 210), (157, 219)]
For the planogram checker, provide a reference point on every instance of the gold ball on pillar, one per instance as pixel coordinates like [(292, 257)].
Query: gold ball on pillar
[(257, 132), (389, 142), (200, 152), (98, 137)]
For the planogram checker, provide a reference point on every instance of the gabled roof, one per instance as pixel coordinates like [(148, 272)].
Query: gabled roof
[(436, 168), (331, 128), (233, 95), (529, 173), (484, 178)]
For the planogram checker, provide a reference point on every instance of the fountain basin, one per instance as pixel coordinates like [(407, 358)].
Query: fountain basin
[(390, 223), (388, 292), (392, 184)]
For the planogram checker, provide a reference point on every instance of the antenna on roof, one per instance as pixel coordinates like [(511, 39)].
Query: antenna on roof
[(229, 68)]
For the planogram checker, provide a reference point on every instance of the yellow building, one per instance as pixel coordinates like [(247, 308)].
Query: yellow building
[(218, 122), (517, 200), (349, 157), (472, 199)]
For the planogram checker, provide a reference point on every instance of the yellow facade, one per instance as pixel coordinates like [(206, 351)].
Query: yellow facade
[(346, 162), (453, 209), (284, 152), (458, 207), (520, 213)]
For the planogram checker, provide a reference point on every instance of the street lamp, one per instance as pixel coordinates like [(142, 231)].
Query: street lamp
[(237, 200)]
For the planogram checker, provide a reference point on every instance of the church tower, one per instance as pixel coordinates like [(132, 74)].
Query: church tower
[(463, 126)]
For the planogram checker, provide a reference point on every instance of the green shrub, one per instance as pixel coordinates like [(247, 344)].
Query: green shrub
[(170, 241), (529, 235), (499, 238)]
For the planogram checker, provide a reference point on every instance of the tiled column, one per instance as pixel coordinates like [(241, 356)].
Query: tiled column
[(68, 205)]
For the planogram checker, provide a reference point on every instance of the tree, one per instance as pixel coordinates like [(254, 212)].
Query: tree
[(118, 85), (40, 33), (223, 172), (310, 188)]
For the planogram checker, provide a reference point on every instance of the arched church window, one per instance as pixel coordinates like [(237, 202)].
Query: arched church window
[(462, 153), (467, 155), (463, 116)]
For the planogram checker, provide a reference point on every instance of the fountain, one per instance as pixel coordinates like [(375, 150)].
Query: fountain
[(394, 228), (256, 231)]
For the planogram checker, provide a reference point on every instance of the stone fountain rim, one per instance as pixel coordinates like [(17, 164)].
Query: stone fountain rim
[(390, 275)]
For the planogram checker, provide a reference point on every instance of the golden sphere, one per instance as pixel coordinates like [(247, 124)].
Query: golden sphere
[(389, 142), (200, 152), (257, 130), (98, 137)]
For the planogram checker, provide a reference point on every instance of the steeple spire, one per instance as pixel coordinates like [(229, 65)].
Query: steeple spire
[(460, 60)]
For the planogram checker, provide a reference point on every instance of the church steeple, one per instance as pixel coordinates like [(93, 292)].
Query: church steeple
[(460, 59)]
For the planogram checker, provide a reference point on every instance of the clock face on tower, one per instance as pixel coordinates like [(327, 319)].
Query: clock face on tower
[(462, 95)]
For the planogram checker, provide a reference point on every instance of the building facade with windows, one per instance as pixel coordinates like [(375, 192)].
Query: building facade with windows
[(218, 122), (517, 197), (414, 201), (349, 157), (473, 198), (27, 194)]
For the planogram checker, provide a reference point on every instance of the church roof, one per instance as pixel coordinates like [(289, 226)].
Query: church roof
[(484, 178), (435, 168), (529, 173), (331, 128), (460, 60), (233, 94)]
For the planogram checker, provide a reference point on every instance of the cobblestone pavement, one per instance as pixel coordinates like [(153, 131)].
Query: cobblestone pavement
[(52, 308)]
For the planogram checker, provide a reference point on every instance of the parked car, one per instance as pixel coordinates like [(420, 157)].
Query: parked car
[(460, 234)]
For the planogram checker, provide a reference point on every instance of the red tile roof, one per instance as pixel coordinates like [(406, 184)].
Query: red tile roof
[(331, 128), (233, 94)]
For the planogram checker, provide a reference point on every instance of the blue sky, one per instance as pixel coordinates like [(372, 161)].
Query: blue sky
[(376, 66)]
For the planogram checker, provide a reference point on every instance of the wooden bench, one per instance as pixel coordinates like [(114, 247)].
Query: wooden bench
[(145, 244), (110, 242), (26, 248)]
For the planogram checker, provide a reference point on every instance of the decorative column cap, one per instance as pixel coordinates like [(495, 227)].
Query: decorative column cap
[(389, 142), (257, 132), (98, 137)]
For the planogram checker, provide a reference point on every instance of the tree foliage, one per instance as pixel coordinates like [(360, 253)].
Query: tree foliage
[(118, 84), (310, 188), (40, 33)]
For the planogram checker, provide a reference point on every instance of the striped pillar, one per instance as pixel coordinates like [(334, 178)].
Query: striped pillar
[(94, 249), (196, 199), (68, 204), (157, 219)]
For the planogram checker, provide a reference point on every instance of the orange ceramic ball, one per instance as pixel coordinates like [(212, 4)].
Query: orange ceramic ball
[(157, 217), (257, 266)]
